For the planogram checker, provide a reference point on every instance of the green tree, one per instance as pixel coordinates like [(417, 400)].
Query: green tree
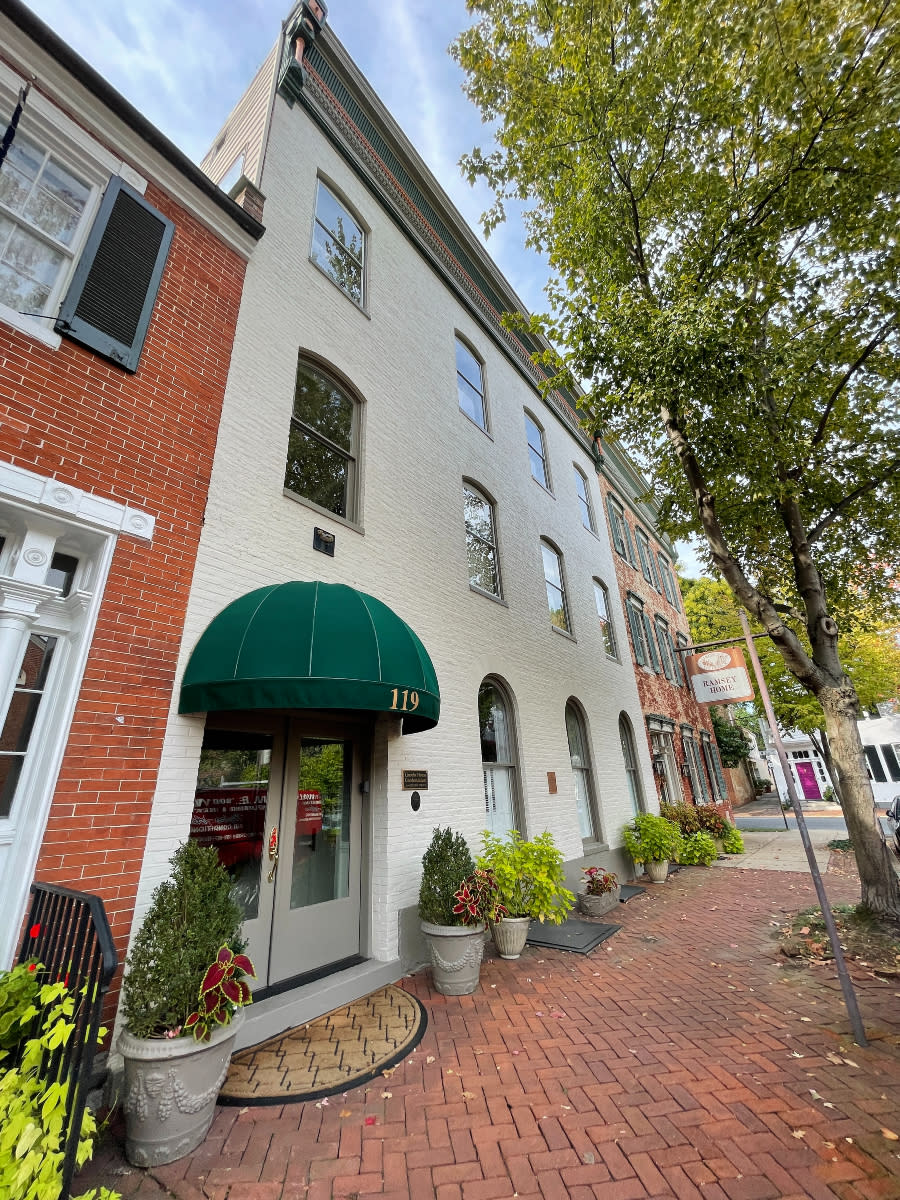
[(716, 187)]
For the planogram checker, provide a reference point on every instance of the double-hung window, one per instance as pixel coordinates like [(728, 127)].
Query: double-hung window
[(645, 652), (556, 588), (498, 758), (78, 244), (666, 650), (580, 758), (632, 771), (648, 566), (322, 443), (537, 453), (470, 385), (338, 244), (699, 786), (601, 599), (669, 586), (481, 542), (713, 765), (584, 501), (621, 534)]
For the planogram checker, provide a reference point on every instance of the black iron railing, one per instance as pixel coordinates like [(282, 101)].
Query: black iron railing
[(69, 934)]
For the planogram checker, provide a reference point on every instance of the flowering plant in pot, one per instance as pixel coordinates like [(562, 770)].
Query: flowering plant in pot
[(455, 944), (599, 891), (532, 885), (183, 993), (655, 842)]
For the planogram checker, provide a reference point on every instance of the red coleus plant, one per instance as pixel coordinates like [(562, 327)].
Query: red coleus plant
[(221, 992), (598, 881), (478, 899)]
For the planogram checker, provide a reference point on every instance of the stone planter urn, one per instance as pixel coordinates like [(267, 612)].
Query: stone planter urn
[(657, 872), (170, 1091), (598, 906), (510, 936), (456, 952)]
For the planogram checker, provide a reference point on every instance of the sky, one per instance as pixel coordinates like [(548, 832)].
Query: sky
[(185, 63)]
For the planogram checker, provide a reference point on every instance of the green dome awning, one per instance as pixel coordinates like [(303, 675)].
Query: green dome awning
[(312, 645)]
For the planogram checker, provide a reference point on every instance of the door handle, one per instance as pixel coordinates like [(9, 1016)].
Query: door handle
[(273, 853)]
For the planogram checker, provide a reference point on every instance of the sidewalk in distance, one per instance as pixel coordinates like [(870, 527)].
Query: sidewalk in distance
[(682, 1058)]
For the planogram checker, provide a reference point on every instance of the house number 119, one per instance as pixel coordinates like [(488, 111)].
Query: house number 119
[(404, 700)]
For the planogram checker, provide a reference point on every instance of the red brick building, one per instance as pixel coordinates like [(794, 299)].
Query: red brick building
[(121, 270), (686, 762)]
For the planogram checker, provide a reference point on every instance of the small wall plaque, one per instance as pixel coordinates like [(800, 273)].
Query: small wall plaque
[(551, 782), (415, 781), (323, 541)]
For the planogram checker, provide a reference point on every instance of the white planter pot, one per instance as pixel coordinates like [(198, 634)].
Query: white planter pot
[(170, 1091), (456, 952), (598, 906), (510, 936), (657, 872)]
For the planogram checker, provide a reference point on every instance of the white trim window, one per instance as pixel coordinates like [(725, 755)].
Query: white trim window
[(582, 771), (537, 453), (556, 587), (584, 500), (338, 244), (323, 443), (648, 566), (470, 384), (620, 532), (481, 542), (670, 587), (632, 770), (55, 555), (601, 600), (498, 758)]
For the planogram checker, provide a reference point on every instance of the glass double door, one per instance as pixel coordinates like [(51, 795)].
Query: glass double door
[(279, 798)]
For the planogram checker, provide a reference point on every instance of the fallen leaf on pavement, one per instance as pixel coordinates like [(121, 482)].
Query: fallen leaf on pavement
[(346, 1112), (370, 1120), (890, 1135), (798, 1133), (468, 1095), (430, 1058)]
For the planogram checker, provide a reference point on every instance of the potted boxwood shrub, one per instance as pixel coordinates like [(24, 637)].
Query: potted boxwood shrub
[(455, 948), (532, 883), (599, 891), (655, 842), (183, 992)]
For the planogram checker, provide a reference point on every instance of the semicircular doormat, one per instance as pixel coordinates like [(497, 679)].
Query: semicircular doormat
[(334, 1053)]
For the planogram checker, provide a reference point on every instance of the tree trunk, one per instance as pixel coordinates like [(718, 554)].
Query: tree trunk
[(880, 885), (823, 748)]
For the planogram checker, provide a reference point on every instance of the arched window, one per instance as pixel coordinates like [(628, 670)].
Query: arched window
[(470, 384), (584, 500), (323, 443), (580, 756), (498, 758), (481, 541), (601, 600), (536, 451), (632, 772), (556, 587), (338, 244)]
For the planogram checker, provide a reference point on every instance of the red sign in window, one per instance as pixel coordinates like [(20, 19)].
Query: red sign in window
[(309, 813)]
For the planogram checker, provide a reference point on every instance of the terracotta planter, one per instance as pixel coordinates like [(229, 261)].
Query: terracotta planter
[(597, 906), (456, 952), (170, 1091), (657, 872), (510, 936)]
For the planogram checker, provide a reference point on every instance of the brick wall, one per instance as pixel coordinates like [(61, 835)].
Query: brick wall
[(145, 440), (658, 696)]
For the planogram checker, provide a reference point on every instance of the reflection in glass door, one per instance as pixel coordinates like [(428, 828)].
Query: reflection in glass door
[(320, 870)]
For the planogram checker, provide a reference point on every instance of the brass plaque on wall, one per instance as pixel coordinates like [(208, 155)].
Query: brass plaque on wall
[(415, 781)]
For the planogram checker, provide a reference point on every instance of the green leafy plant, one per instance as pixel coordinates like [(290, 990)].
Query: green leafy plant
[(33, 1102), (478, 900), (733, 746), (18, 991), (597, 881), (650, 838), (445, 865), (732, 842), (685, 816), (530, 875), (699, 849), (711, 820), (221, 992), (191, 915)]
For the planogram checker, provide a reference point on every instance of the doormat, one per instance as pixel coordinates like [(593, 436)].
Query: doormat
[(334, 1053), (628, 891), (578, 936)]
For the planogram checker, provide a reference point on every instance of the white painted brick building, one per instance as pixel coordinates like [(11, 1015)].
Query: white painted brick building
[(425, 282)]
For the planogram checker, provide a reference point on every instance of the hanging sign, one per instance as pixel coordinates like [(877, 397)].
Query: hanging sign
[(719, 676)]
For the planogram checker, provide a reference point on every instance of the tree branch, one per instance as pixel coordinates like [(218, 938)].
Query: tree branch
[(851, 498), (873, 345)]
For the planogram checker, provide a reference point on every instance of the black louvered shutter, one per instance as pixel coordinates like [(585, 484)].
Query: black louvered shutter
[(110, 300)]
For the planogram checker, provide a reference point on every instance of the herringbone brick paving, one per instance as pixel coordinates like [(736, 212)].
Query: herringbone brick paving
[(683, 1058)]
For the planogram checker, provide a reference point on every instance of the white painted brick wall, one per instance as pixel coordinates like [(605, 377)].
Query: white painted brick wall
[(418, 446)]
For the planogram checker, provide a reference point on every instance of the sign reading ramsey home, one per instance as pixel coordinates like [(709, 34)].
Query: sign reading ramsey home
[(719, 676)]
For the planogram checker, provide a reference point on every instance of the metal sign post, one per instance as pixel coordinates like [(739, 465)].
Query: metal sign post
[(859, 1032)]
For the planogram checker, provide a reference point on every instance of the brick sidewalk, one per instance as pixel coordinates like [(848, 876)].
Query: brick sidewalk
[(681, 1058)]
